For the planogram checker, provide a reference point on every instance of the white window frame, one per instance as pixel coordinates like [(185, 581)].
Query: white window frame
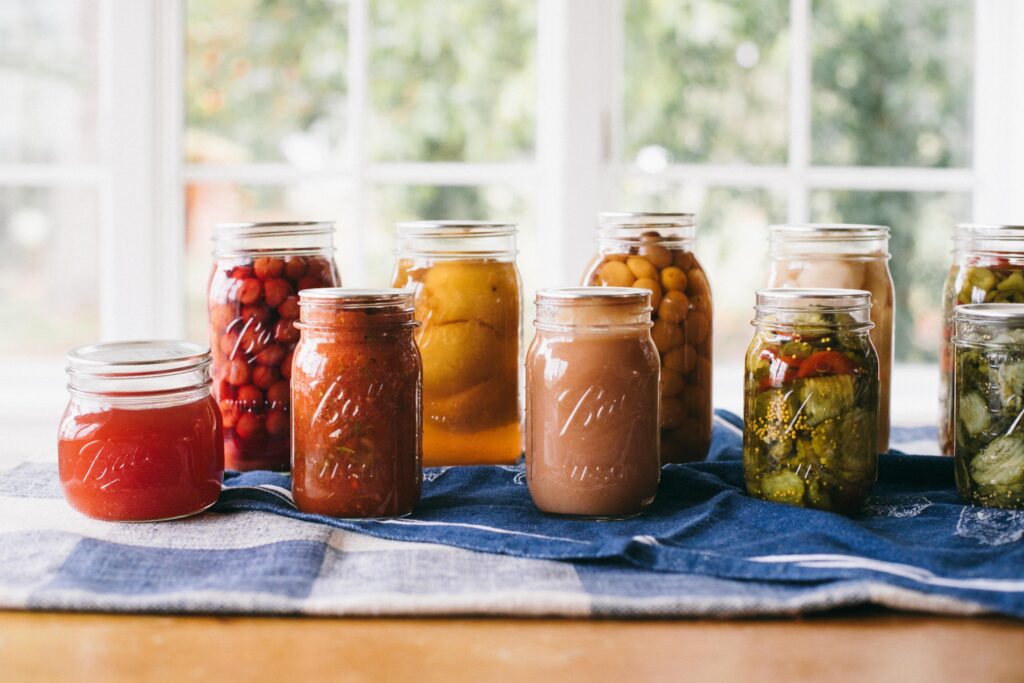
[(141, 176)]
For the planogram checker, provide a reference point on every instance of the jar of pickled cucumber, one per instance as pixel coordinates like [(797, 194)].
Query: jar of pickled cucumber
[(988, 267), (654, 251), (843, 256), (810, 407), (468, 301), (988, 402)]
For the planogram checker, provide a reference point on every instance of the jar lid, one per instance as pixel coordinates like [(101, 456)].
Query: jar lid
[(595, 295), (136, 367), (646, 220), (991, 313), (454, 229), (349, 298), (805, 299), (839, 232), (993, 231)]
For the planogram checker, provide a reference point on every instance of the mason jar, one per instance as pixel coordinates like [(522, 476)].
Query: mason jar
[(357, 404), (467, 296), (843, 256), (810, 409), (592, 388), (988, 402), (141, 438), (988, 267), (654, 251), (253, 302)]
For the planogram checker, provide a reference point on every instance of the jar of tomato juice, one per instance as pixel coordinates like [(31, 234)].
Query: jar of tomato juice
[(141, 439)]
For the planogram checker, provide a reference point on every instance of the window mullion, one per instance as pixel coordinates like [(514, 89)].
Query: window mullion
[(356, 135), (799, 109), (574, 51)]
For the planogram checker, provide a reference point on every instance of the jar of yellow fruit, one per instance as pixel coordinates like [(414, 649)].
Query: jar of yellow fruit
[(468, 299), (654, 251)]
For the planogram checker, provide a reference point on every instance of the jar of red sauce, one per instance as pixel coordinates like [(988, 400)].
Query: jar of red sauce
[(258, 271), (357, 385), (141, 439)]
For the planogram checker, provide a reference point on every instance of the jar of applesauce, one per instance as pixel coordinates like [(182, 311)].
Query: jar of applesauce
[(592, 388), (356, 392), (654, 251), (843, 256), (988, 267), (467, 298), (253, 301)]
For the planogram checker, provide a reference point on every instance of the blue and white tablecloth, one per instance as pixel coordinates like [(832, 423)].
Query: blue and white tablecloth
[(476, 545)]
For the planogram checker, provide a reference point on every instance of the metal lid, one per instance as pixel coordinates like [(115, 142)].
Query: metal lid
[(455, 228), (137, 357), (993, 231), (802, 299), (601, 295), (646, 220), (995, 313), (222, 231), (828, 231), (344, 297)]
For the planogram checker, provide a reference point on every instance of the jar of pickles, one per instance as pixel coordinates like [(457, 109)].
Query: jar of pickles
[(258, 271), (810, 407), (654, 251), (357, 404), (843, 256), (988, 267), (988, 403), (592, 386), (141, 439), (467, 296)]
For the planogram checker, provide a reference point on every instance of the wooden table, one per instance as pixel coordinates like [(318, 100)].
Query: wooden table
[(862, 645)]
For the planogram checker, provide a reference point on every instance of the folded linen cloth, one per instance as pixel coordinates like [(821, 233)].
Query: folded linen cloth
[(476, 545)]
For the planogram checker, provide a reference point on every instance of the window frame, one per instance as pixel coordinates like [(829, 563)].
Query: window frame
[(141, 176)]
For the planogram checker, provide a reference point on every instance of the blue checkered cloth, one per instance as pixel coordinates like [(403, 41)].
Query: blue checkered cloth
[(477, 546)]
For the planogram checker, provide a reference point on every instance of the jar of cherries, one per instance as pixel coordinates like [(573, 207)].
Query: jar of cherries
[(253, 301)]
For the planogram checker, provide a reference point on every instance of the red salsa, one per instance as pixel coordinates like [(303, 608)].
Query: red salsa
[(357, 405)]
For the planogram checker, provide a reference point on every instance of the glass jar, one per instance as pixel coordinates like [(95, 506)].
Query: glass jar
[(654, 251), (467, 293), (988, 403), (258, 271), (988, 267), (141, 438), (843, 256), (357, 404), (592, 388), (810, 407)]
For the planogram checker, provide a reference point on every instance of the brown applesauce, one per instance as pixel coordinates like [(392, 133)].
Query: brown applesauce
[(592, 390)]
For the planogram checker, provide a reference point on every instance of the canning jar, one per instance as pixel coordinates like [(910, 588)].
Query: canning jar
[(467, 292), (141, 437), (810, 406), (654, 251), (592, 387), (988, 267), (843, 256), (356, 404), (258, 271), (988, 402)]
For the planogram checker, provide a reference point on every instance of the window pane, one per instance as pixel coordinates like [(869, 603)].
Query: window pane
[(731, 245), (706, 81), (49, 276), (922, 232), (892, 82), (452, 81), (266, 81), (48, 79), (209, 203)]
